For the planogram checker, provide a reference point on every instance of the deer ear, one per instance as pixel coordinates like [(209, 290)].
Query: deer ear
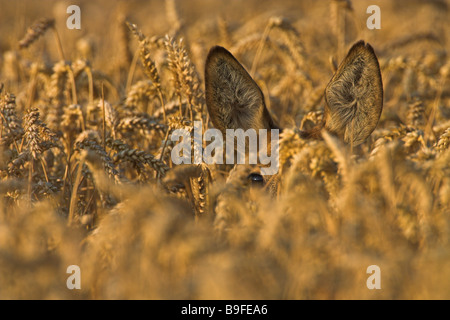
[(233, 98), (354, 96)]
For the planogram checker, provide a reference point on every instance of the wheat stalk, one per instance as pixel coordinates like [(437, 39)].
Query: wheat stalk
[(126, 153), (35, 31), (90, 140), (184, 75), (10, 121), (149, 65)]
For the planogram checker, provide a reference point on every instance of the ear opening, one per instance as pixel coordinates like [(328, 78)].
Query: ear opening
[(354, 96), (233, 98)]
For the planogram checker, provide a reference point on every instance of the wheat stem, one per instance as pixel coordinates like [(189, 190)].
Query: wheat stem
[(73, 197)]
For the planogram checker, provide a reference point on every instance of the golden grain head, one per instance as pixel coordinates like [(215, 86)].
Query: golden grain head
[(87, 178)]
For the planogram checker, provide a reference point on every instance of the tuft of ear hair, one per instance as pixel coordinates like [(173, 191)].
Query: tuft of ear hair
[(354, 96), (233, 98)]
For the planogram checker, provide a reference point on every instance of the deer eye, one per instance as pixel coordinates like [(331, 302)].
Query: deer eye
[(256, 179)]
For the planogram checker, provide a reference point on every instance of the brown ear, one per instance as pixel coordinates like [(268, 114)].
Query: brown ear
[(233, 98), (354, 96)]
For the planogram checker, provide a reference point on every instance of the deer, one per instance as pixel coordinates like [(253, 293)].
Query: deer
[(353, 97)]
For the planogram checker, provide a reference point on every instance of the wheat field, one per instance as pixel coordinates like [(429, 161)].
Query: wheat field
[(87, 178)]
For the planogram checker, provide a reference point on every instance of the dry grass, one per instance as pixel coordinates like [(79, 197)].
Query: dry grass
[(86, 176)]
